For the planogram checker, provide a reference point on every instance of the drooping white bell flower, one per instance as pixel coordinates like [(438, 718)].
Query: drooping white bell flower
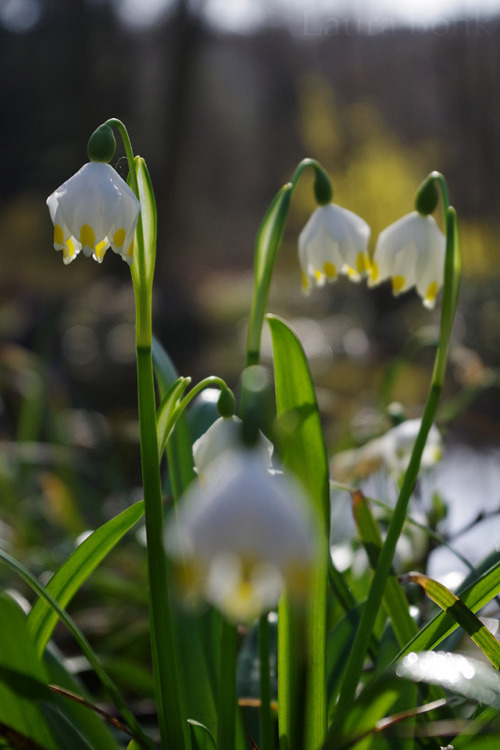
[(225, 435), (411, 253), (242, 536), (93, 210), (397, 446), (333, 241), (391, 451)]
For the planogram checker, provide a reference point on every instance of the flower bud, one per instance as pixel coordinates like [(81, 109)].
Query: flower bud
[(102, 144), (226, 404), (427, 196), (323, 191)]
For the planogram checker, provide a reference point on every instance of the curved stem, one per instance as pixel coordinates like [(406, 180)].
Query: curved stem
[(361, 641), (162, 639), (267, 245)]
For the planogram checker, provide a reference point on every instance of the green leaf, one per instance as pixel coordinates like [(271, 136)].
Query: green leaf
[(23, 682), (87, 721), (304, 454), (200, 736), (41, 591), (143, 266), (64, 731), (474, 596), (179, 451), (266, 248), (394, 599), (76, 569), (166, 410), (454, 606), (373, 704)]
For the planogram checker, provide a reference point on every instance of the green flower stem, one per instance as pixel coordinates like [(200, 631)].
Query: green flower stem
[(267, 245), (226, 696), (372, 605), (144, 330), (266, 726), (162, 641)]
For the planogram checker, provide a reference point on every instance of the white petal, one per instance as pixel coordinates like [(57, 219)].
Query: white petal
[(96, 208), (333, 241), (247, 514), (225, 435)]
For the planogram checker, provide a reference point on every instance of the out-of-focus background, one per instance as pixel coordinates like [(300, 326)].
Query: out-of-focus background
[(223, 99)]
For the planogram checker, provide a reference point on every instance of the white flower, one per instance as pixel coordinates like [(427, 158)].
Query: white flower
[(333, 241), (392, 451), (225, 435), (243, 536), (411, 252), (397, 446), (93, 210)]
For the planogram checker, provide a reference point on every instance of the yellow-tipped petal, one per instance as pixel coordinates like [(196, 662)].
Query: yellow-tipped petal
[(398, 283), (431, 294), (58, 235), (374, 271), (87, 236), (100, 250), (119, 237), (329, 270)]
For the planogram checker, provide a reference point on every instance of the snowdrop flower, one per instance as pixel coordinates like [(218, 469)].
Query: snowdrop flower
[(333, 241), (225, 435), (392, 451), (93, 210), (243, 536), (397, 446), (410, 252)]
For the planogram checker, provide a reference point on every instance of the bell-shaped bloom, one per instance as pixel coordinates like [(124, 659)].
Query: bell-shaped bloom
[(411, 253), (225, 435), (391, 451), (333, 241), (242, 536), (397, 447), (93, 210)]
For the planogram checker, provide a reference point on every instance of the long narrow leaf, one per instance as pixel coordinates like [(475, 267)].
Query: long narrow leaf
[(76, 569), (394, 599), (304, 453), (85, 646), (450, 603), (475, 596)]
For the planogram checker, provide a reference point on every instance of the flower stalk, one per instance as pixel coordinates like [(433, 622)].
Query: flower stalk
[(162, 642), (451, 286)]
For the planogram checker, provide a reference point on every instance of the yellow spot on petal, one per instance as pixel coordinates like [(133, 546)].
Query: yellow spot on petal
[(100, 250), (398, 283), (360, 263), (87, 236), (374, 271), (329, 270), (130, 251), (318, 275), (305, 282), (58, 235), (119, 237), (431, 293)]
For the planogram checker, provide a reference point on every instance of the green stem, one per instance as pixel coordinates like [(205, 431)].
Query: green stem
[(267, 245), (162, 642), (372, 605), (266, 726), (227, 699)]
